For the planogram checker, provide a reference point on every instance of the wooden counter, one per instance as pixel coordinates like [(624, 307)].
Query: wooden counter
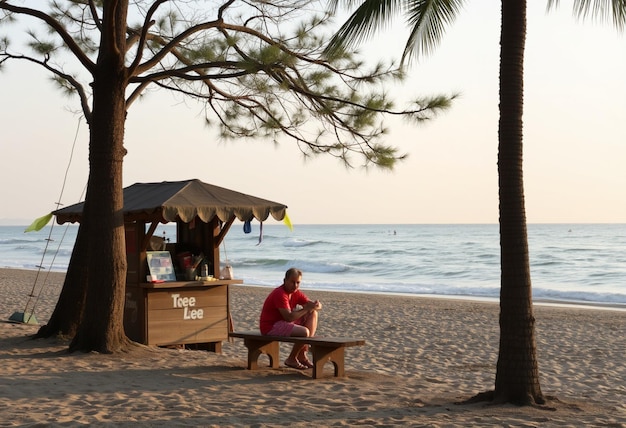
[(180, 284), (179, 313)]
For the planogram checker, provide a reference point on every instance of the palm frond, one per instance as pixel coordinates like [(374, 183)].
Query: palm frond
[(370, 16), (602, 10), (428, 20)]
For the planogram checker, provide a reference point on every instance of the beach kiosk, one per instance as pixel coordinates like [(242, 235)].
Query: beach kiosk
[(175, 295)]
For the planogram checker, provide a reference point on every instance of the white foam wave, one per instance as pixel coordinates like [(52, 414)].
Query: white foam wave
[(298, 243)]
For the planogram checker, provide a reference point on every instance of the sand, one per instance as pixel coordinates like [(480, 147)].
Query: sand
[(422, 356)]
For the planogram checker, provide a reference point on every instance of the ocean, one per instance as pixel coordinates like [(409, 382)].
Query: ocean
[(572, 263)]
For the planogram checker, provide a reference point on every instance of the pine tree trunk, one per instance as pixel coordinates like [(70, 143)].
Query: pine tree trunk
[(69, 308), (517, 375), (102, 327)]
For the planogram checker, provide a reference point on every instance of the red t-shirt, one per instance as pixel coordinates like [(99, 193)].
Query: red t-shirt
[(276, 300)]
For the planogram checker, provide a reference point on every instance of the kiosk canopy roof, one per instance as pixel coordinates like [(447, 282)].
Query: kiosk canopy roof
[(184, 200)]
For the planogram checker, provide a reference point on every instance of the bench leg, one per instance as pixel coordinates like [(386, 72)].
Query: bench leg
[(258, 347), (323, 354)]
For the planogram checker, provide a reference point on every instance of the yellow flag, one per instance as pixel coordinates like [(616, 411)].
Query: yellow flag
[(39, 223), (287, 222)]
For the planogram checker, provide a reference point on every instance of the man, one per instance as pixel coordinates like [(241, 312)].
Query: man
[(287, 311)]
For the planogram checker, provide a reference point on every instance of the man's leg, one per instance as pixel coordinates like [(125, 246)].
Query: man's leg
[(307, 326), (298, 331), (310, 322)]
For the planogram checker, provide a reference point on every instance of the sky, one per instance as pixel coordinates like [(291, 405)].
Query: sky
[(574, 136)]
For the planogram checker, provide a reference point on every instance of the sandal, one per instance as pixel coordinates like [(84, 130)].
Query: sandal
[(295, 365)]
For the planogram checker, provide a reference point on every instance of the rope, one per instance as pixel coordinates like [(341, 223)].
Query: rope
[(49, 239)]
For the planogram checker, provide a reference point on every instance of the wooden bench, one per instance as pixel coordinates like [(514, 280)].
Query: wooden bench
[(323, 349)]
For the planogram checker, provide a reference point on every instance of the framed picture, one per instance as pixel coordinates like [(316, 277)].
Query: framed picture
[(160, 265)]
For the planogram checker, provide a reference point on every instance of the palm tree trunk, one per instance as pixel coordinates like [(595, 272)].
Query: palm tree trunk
[(517, 375)]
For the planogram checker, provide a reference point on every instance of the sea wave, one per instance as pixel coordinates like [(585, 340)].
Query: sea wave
[(319, 267), (257, 263), (487, 292), (13, 241), (439, 260), (27, 248), (299, 243), (578, 296)]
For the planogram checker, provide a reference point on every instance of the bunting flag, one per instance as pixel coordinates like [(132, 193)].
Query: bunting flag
[(287, 222), (39, 223)]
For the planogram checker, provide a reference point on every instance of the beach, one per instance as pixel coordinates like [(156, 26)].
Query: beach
[(423, 355)]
